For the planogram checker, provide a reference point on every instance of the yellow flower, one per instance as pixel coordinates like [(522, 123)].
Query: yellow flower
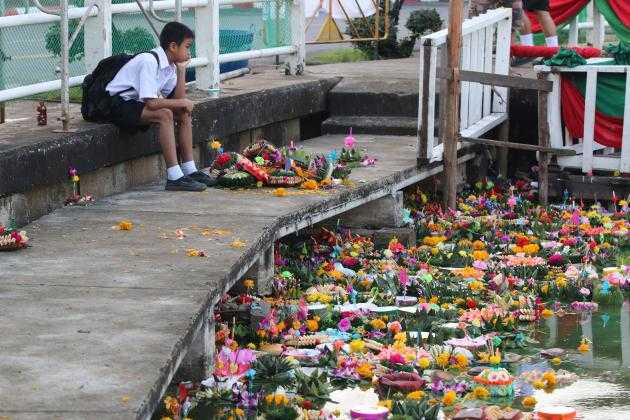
[(215, 144), (435, 251), (539, 384), (357, 346), (424, 363), (550, 377), (584, 347), (365, 370), (481, 393), (280, 192), (556, 361), (310, 185), (416, 395), (544, 288), (449, 398), (433, 240), (561, 282), (461, 361), (239, 412), (531, 248), (476, 285), (171, 404), (442, 359), (251, 346), (481, 255), (337, 275), (529, 401), (478, 245), (248, 283), (386, 403), (125, 225), (377, 324), (75, 178), (495, 359), (547, 313), (312, 325)]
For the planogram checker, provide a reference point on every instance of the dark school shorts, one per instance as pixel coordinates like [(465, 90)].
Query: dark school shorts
[(536, 5), (125, 114)]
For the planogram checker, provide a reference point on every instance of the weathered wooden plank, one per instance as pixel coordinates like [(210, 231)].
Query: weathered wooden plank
[(502, 80), (423, 105), (456, 14), (519, 146), (589, 120), (543, 142)]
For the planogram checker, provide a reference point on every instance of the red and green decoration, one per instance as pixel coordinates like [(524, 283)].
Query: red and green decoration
[(609, 106), (616, 12)]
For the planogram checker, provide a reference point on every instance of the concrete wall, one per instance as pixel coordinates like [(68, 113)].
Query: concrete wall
[(33, 171)]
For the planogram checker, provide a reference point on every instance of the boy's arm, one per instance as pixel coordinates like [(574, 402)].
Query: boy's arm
[(180, 87), (154, 104)]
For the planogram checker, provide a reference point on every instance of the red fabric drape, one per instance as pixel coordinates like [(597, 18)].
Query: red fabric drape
[(608, 130), (562, 11), (548, 52), (621, 9)]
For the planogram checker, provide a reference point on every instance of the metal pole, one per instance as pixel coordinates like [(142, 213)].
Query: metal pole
[(65, 48), (178, 10)]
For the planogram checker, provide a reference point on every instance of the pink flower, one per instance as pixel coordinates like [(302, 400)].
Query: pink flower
[(584, 291), (344, 325), (480, 265), (403, 278), (349, 140), (556, 259), (511, 201)]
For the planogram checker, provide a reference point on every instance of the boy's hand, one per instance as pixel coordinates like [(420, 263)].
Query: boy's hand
[(181, 67), (188, 105)]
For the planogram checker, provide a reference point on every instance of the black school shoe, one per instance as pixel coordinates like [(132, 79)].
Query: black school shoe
[(184, 183), (203, 178)]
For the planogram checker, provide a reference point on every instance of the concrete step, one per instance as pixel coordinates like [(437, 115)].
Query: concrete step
[(393, 126), (396, 97)]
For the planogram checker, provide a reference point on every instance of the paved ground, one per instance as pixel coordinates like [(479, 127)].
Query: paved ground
[(92, 317)]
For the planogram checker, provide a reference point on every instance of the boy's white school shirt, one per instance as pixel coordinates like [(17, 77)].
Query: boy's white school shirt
[(145, 79)]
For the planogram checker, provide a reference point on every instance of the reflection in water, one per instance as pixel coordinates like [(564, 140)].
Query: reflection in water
[(604, 390)]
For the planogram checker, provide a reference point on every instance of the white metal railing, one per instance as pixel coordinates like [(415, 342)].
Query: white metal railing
[(595, 23), (97, 18), (606, 158), (482, 107)]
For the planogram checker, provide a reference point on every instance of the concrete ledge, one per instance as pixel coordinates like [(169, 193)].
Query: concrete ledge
[(33, 160), (33, 167)]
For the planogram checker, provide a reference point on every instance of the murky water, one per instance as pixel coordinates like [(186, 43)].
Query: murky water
[(603, 390)]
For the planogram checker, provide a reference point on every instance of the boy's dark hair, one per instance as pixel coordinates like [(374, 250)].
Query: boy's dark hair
[(175, 32)]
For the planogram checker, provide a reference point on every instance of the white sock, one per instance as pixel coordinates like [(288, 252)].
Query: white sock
[(189, 167), (174, 173), (527, 39), (552, 41)]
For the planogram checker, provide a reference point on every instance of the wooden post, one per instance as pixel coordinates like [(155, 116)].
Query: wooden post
[(543, 140), (454, 43)]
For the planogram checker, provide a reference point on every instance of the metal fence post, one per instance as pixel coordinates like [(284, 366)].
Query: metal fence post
[(98, 35), (207, 44), (298, 37)]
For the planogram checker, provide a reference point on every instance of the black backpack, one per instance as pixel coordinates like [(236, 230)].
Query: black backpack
[(96, 101)]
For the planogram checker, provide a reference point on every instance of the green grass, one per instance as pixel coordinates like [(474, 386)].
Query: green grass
[(339, 55), (55, 95)]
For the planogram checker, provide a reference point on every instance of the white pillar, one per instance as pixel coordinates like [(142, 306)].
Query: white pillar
[(295, 62), (599, 30), (207, 44), (98, 35)]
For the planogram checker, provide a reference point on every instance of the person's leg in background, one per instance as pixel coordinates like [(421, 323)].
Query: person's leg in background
[(541, 8)]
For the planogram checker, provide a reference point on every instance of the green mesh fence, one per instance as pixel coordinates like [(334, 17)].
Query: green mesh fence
[(30, 54)]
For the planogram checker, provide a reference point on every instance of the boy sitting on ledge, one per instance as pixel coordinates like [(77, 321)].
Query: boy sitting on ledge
[(151, 88)]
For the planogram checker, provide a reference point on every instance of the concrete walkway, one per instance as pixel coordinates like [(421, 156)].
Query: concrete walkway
[(95, 321)]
